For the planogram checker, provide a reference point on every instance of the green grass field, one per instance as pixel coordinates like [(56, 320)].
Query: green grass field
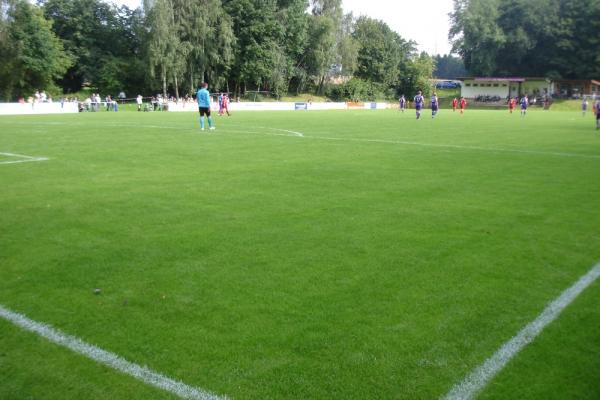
[(375, 257)]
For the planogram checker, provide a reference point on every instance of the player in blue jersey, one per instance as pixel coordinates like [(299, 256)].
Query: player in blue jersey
[(419, 103), (402, 103), (220, 100), (524, 103), (435, 105), (203, 97)]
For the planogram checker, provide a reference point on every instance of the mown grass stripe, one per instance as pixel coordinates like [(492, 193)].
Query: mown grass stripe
[(107, 358)]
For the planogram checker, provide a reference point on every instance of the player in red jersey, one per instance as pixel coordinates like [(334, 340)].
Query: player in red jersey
[(512, 103), (454, 104), (225, 104), (463, 105)]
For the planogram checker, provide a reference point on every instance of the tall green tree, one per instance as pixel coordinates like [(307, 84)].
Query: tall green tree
[(475, 34), (33, 57), (383, 53), (347, 46), (449, 67), (259, 46), (575, 52), (418, 75), (164, 42), (294, 23), (553, 38), (102, 38), (324, 26), (206, 36)]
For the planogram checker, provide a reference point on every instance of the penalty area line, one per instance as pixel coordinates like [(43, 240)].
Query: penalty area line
[(482, 375), (107, 358)]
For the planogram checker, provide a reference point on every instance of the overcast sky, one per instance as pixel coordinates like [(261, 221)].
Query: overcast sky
[(424, 21)]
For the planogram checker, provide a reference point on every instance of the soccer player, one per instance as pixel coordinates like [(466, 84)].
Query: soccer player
[(435, 105), (463, 105), (419, 102), (524, 104), (597, 111), (512, 103), (584, 106), (220, 100), (454, 104), (225, 104), (203, 97), (402, 103)]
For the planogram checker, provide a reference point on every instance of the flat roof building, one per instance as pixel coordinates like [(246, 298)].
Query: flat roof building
[(506, 87)]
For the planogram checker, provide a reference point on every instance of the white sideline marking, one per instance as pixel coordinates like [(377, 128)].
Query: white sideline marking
[(480, 377), (109, 359), (440, 145), (456, 146), (24, 159), (397, 142)]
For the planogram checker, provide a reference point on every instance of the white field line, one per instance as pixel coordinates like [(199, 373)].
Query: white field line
[(109, 359), (294, 133), (24, 159), (456, 146), (438, 145), (482, 375), (290, 133)]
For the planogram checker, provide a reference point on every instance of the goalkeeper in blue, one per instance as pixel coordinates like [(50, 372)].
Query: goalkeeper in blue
[(203, 97)]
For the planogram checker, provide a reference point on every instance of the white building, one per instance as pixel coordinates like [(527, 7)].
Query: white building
[(505, 87)]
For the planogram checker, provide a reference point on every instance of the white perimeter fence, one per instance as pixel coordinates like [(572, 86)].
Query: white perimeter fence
[(281, 106), (64, 108), (37, 108)]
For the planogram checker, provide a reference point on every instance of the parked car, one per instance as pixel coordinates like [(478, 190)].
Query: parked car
[(447, 85)]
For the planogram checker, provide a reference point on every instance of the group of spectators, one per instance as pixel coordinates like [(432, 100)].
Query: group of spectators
[(160, 102), (37, 97), (94, 103), (43, 97)]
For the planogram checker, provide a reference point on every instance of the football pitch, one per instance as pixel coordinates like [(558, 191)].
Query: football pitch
[(299, 255)]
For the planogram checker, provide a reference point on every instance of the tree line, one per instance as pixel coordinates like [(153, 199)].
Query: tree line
[(171, 46), (543, 38)]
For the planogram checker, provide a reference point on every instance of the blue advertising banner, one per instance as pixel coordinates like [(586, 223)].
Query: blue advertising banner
[(301, 106)]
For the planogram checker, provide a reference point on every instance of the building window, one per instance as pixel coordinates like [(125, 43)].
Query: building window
[(504, 85), (467, 84), (475, 84), (496, 85)]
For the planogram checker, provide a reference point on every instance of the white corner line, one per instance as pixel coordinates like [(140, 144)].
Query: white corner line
[(24, 161), (107, 358), (24, 158), (482, 375)]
